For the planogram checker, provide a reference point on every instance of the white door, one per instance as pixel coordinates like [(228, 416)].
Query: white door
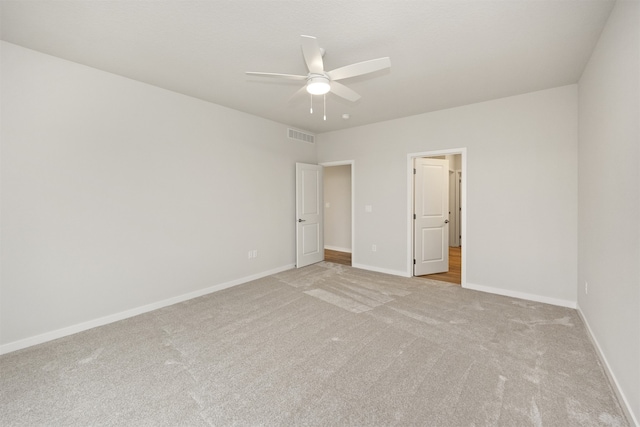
[(458, 209), (309, 209), (431, 216), (452, 208)]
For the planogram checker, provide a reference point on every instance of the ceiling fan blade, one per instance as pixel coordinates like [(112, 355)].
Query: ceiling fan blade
[(344, 92), (360, 68), (296, 95), (312, 54), (277, 75)]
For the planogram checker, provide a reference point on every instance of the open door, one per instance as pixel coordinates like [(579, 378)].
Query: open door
[(431, 216), (309, 210)]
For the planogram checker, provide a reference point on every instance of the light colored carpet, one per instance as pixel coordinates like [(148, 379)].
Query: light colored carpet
[(322, 345)]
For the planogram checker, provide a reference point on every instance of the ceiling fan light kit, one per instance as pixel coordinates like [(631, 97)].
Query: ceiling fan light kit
[(319, 82), (318, 85)]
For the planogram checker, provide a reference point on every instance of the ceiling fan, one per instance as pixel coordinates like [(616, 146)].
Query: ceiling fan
[(320, 82)]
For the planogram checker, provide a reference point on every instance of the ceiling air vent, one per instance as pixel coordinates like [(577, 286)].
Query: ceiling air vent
[(301, 136)]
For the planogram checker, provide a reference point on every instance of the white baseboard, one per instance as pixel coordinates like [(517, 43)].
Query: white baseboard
[(337, 248), (521, 295), (59, 333), (624, 402), (381, 270)]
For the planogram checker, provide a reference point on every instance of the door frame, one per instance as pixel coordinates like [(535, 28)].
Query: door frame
[(463, 211), (458, 181), (351, 163)]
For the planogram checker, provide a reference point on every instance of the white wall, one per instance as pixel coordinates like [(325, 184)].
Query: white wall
[(117, 195), (521, 189), (609, 194), (337, 215)]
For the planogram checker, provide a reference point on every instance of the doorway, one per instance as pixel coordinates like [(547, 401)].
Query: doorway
[(453, 208), (338, 212)]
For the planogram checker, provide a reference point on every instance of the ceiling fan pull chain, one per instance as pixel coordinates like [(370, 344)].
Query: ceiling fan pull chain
[(311, 104), (324, 101)]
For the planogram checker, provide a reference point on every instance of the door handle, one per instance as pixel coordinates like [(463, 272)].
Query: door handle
[(301, 220), (446, 221)]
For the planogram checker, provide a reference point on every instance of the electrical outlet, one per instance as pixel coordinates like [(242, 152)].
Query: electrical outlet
[(250, 255), (255, 253), (586, 288), (373, 248)]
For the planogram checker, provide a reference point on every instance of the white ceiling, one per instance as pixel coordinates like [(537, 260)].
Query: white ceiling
[(443, 53)]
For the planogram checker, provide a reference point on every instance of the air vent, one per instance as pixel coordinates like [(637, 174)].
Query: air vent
[(301, 136)]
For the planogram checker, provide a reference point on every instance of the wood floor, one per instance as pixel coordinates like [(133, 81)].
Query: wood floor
[(337, 257), (454, 275)]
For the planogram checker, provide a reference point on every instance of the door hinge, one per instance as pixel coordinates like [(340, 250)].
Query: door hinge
[(414, 216), (414, 262), (414, 171)]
